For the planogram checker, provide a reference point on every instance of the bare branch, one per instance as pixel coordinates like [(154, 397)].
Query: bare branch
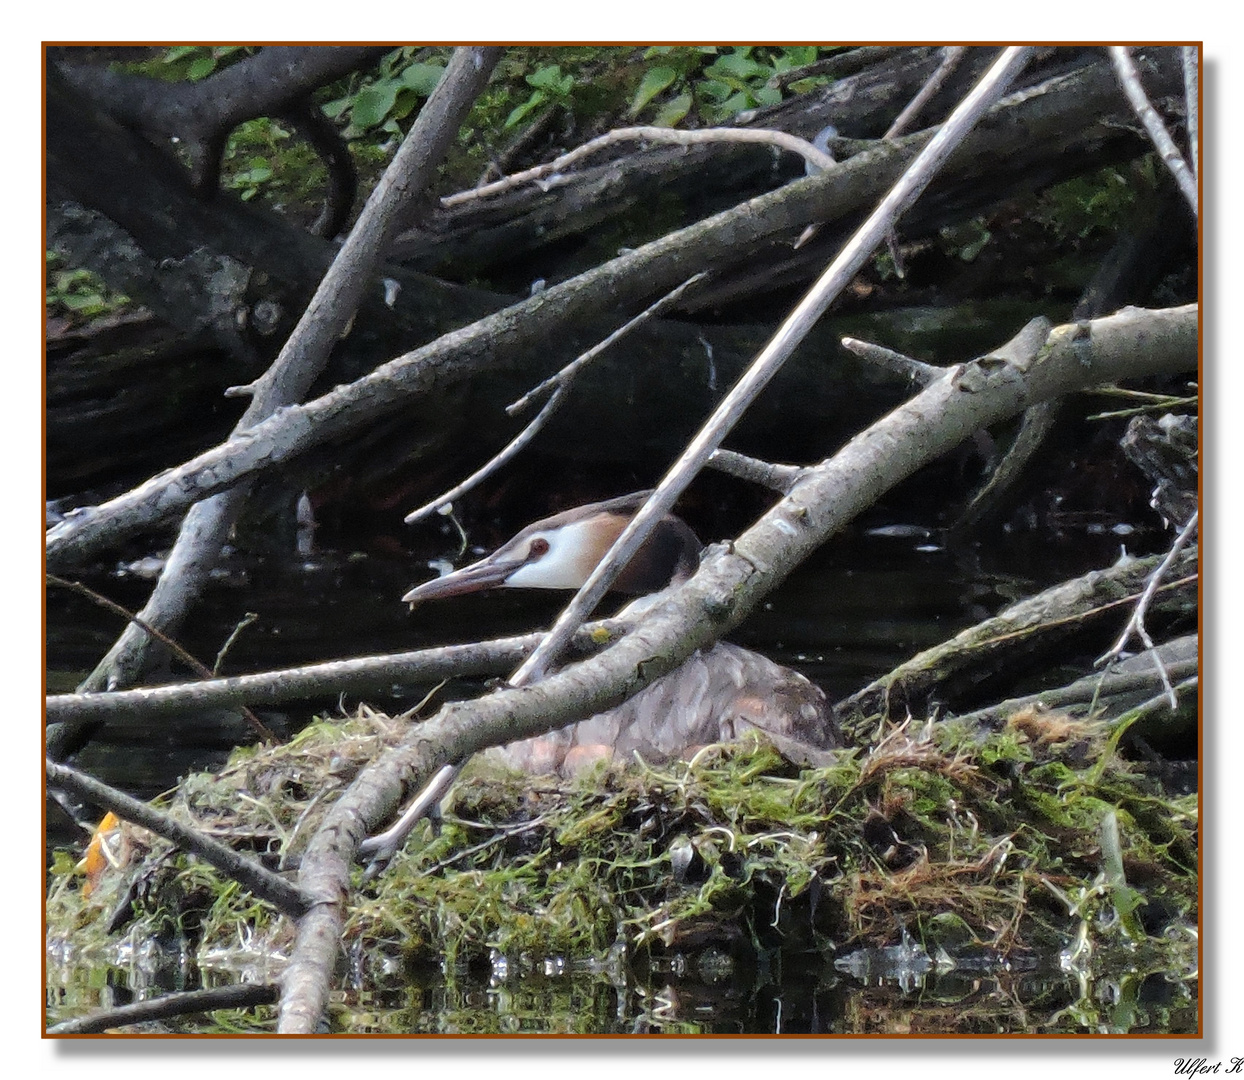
[(1036, 424), (1129, 79), (383, 846), (775, 477), (1192, 104), (950, 60), (355, 676), (200, 115), (1021, 119), (729, 583), (768, 137), (257, 725), (1035, 622), (567, 374), (510, 450), (1081, 692), (241, 996), (561, 381), (916, 371), (247, 872), (1136, 624)]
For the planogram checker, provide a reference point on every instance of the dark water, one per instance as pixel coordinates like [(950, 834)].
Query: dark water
[(851, 613)]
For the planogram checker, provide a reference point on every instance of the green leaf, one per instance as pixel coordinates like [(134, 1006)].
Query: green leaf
[(373, 103), (737, 66), (802, 86), (422, 78), (178, 51), (62, 863), (534, 102), (768, 95), (654, 81), (84, 303), (407, 100), (969, 251), (657, 50), (672, 112), (713, 90), (736, 103), (548, 77), (201, 68)]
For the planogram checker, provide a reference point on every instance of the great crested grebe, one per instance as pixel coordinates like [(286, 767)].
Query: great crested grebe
[(715, 696)]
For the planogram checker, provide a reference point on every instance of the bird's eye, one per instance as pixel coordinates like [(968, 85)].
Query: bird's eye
[(539, 546)]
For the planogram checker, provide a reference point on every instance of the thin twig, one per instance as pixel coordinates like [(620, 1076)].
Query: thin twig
[(568, 373), (916, 371), (951, 56), (243, 623), (1136, 624), (839, 274), (1129, 79), (503, 833), (383, 846), (778, 478), (513, 447), (242, 996), (256, 724), (247, 872), (781, 139), (561, 383)]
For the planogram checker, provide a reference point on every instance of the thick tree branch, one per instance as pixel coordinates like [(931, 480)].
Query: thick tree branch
[(201, 114), (1129, 79), (360, 675)]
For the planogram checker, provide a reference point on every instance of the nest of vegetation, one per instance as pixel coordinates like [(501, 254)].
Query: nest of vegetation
[(967, 847)]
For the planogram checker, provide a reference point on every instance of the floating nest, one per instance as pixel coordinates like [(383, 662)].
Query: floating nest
[(942, 847)]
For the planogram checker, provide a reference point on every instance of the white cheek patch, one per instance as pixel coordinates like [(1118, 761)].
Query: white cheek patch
[(564, 566)]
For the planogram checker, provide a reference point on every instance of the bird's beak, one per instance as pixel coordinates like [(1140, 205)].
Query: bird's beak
[(485, 574)]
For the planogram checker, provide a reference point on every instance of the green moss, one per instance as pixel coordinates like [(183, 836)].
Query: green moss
[(1102, 202), (737, 850)]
